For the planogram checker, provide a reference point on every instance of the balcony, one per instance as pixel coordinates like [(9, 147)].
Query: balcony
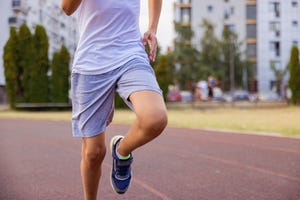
[(16, 5), (185, 24), (183, 4), (250, 2), (19, 6)]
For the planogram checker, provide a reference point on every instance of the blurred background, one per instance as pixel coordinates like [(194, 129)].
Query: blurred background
[(230, 74), (220, 51)]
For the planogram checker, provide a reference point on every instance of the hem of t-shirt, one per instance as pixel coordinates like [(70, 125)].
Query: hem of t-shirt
[(109, 68)]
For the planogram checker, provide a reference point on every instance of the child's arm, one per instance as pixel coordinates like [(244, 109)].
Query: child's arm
[(150, 35), (70, 6)]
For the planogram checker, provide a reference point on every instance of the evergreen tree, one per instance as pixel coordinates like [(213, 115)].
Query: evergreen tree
[(153, 64), (210, 60), (186, 57), (230, 49), (59, 85), (161, 66), (38, 86), (10, 58), (26, 60), (171, 67), (294, 82), (163, 73)]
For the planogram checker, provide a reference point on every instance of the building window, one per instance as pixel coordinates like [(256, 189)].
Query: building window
[(186, 15), (12, 20), (230, 27), (251, 30), (273, 84), (251, 12), (295, 43), (251, 50), (210, 8), (185, 1), (275, 63), (275, 27), (275, 48), (275, 8), (295, 4), (295, 23), (227, 13), (232, 10), (16, 3)]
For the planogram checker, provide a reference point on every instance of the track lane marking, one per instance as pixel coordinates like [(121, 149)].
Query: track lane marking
[(253, 168), (245, 143)]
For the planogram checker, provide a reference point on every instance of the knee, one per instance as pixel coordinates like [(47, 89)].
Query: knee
[(154, 122), (93, 157), (162, 121)]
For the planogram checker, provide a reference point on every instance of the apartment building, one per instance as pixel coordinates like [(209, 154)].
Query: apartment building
[(266, 28), (278, 30), (60, 28)]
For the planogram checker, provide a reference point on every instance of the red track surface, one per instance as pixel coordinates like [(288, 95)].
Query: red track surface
[(40, 160)]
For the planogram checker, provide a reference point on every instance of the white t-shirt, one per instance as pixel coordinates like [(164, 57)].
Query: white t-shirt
[(109, 35)]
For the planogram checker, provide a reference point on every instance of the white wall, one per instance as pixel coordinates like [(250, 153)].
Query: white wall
[(288, 34), (5, 7), (216, 16)]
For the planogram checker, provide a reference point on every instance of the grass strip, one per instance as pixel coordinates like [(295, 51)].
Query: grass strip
[(283, 121)]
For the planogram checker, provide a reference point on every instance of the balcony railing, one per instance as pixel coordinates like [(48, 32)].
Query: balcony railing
[(16, 5), (19, 5), (183, 5)]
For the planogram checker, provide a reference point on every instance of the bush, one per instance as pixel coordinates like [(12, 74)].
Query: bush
[(11, 58), (294, 82)]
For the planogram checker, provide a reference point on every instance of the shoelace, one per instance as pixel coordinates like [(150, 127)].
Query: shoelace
[(122, 171)]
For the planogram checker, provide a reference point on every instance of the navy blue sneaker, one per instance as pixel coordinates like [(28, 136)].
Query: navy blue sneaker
[(121, 170)]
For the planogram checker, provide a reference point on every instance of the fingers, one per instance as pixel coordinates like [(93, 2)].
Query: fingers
[(145, 38), (150, 38), (153, 47)]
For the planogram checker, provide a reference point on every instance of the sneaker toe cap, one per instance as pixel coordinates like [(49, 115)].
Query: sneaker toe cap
[(121, 185)]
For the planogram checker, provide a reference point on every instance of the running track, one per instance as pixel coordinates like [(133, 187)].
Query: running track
[(40, 160)]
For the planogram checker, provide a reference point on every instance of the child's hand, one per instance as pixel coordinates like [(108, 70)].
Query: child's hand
[(150, 39)]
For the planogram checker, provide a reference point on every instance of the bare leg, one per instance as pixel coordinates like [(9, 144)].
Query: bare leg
[(93, 153), (151, 119)]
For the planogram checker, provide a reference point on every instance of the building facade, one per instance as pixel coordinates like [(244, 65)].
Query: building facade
[(278, 31), (60, 28), (266, 28)]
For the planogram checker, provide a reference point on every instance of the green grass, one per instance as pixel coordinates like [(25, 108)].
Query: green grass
[(283, 121)]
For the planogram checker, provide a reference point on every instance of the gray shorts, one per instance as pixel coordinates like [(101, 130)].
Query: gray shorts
[(93, 95)]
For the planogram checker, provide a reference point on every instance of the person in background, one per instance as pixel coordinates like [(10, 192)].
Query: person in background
[(211, 84)]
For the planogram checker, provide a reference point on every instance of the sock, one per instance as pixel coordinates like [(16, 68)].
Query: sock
[(122, 157)]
